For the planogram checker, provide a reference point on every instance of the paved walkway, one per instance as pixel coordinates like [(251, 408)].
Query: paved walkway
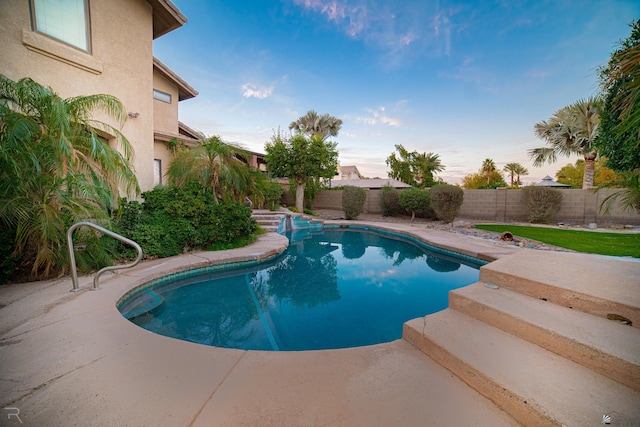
[(72, 359)]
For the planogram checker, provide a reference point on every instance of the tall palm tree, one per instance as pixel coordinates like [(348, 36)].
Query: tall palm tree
[(217, 166), (520, 171), (312, 124), (515, 170), (488, 167), (55, 169), (425, 165), (571, 130)]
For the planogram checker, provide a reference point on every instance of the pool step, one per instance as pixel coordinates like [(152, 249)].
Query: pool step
[(608, 347), (533, 385), (534, 336), (590, 284), (267, 220)]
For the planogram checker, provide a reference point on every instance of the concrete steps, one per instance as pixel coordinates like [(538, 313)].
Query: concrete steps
[(520, 345), (267, 220), (609, 348), (533, 385)]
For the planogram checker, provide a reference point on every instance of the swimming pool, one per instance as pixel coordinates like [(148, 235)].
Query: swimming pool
[(334, 288)]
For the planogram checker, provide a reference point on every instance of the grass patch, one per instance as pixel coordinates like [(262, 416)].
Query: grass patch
[(615, 244)]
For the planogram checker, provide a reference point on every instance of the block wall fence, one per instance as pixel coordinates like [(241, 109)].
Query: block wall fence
[(579, 206)]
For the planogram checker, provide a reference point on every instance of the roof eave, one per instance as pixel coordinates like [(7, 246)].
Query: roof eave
[(185, 91), (166, 17)]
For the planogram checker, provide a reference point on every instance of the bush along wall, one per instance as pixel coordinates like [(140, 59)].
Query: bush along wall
[(391, 201), (353, 199), (542, 203), (446, 201), (415, 200), (174, 220)]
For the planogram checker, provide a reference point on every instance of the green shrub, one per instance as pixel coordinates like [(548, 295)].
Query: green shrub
[(414, 200), (173, 220), (446, 201), (542, 203), (8, 261), (272, 194), (390, 201), (353, 199)]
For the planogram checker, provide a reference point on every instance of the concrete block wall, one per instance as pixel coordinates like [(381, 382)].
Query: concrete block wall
[(578, 206), (332, 200)]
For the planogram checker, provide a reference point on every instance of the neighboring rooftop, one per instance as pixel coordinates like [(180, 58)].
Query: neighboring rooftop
[(547, 181), (370, 184)]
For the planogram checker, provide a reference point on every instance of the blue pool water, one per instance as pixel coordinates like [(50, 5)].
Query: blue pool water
[(331, 289)]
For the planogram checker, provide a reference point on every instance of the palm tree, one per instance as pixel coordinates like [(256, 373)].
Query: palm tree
[(55, 169), (571, 130), (425, 165), (520, 171), (215, 165), (515, 170), (312, 124), (488, 167)]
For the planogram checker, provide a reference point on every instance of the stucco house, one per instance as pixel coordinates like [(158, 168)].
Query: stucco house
[(84, 47), (348, 172)]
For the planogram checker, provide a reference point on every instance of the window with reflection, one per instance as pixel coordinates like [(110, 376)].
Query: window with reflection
[(64, 20)]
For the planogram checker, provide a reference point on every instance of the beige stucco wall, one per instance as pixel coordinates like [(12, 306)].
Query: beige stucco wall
[(165, 115), (162, 153), (120, 64)]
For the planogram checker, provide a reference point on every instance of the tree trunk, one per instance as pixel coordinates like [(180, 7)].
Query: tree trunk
[(589, 170), (300, 197)]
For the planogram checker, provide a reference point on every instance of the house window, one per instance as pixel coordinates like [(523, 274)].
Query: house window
[(162, 96), (65, 20), (157, 172)]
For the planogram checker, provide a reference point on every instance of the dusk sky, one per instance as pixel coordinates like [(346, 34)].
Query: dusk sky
[(463, 79)]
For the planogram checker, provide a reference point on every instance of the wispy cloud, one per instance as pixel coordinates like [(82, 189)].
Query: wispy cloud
[(379, 116), (250, 90), (353, 18), (422, 26)]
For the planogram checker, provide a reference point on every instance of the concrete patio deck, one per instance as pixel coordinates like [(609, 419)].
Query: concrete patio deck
[(72, 359)]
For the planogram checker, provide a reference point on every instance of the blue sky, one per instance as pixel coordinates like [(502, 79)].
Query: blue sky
[(466, 80)]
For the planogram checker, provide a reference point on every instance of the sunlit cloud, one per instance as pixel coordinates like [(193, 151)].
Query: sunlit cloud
[(250, 90), (378, 116)]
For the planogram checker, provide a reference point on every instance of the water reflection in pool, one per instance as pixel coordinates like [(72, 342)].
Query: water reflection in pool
[(333, 289)]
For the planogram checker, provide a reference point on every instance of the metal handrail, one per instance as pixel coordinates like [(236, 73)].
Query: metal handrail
[(72, 258)]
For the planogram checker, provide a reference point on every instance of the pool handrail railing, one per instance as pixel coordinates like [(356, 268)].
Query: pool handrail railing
[(72, 258)]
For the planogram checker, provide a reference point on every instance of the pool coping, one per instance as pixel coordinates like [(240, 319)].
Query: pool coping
[(68, 355)]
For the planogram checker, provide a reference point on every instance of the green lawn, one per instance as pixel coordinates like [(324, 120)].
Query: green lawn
[(616, 244)]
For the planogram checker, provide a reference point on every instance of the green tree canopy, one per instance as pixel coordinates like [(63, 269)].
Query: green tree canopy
[(299, 157), (56, 169), (478, 181), (619, 139), (414, 168), (570, 130), (572, 174)]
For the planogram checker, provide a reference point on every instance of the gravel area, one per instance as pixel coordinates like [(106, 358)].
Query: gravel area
[(465, 227)]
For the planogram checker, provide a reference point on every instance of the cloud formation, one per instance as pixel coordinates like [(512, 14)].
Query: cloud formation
[(421, 25), (250, 90), (379, 116)]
